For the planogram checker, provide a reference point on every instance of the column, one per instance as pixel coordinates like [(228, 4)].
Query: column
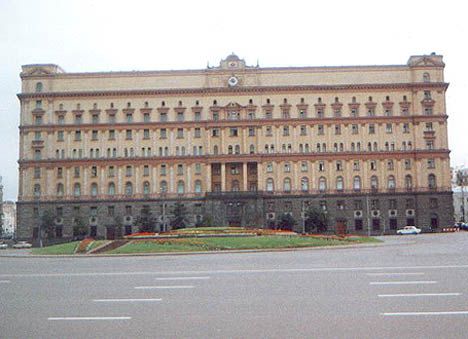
[(137, 179), (189, 178), (260, 181), (171, 178), (244, 177), (223, 177)]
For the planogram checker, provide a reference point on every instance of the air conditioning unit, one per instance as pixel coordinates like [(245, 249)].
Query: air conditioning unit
[(410, 213), (93, 221), (128, 219), (59, 221), (392, 213), (375, 213), (358, 214), (270, 216)]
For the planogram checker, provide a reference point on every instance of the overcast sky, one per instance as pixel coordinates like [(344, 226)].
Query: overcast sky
[(86, 35)]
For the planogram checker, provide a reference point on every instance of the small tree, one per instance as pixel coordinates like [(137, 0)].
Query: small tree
[(79, 228), (179, 218), (207, 221), (48, 224), (145, 221), (316, 219), (1, 225), (286, 222)]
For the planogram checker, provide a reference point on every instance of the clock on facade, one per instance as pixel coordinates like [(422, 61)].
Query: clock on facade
[(232, 81)]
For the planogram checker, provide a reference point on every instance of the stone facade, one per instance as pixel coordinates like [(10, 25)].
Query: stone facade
[(237, 143)]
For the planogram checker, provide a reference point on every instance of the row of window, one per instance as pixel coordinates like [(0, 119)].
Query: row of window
[(235, 185)]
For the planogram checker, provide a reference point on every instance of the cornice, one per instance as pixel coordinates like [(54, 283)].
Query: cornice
[(239, 123), (229, 158), (234, 90)]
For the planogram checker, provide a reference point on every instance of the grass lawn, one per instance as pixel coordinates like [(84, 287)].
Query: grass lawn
[(212, 244), (96, 243), (67, 248)]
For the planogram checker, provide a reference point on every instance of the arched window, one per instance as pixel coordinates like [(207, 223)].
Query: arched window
[(431, 181), (94, 189), (304, 184), (111, 188), (374, 182), (128, 188), (434, 220), (180, 187), (426, 77), (77, 190), (235, 186), (357, 183), (270, 185), (287, 185), (215, 150), (391, 182), (146, 187), (339, 183), (408, 182), (353, 147), (37, 190), (230, 149), (163, 186), (39, 87), (237, 149), (322, 184), (60, 189), (198, 187), (252, 149), (376, 148)]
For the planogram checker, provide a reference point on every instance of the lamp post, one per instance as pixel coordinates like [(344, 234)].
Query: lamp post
[(461, 182)]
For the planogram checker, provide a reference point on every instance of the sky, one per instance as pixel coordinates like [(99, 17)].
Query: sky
[(85, 36)]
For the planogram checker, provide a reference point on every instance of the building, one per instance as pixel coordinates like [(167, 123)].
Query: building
[(460, 194), (240, 144), (9, 217)]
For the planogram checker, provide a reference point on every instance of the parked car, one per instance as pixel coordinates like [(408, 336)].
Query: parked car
[(462, 225), (22, 244), (3, 246), (409, 230)]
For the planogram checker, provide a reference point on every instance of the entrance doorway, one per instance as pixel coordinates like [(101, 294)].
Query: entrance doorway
[(341, 228), (110, 232)]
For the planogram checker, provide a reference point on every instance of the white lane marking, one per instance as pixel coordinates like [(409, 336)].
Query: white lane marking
[(403, 282), (126, 300), (426, 313), (89, 318), (183, 278), (5, 281), (419, 295), (394, 273), (163, 287), (240, 271)]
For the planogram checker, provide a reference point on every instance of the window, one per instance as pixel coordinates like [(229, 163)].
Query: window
[(373, 165), (321, 166), (197, 132), (146, 134), (431, 163), (426, 77), (128, 134), (94, 171), (339, 165), (340, 204), (356, 165), (390, 165), (268, 131), (59, 172), (94, 189), (431, 181), (320, 130), (128, 188), (215, 132), (251, 131), (146, 117), (287, 167), (110, 211), (77, 190), (322, 184), (39, 87), (269, 167), (198, 186), (304, 166), (303, 130), (78, 119), (128, 171), (180, 187), (163, 169), (391, 182), (407, 164), (163, 186), (77, 135), (339, 183), (269, 185), (76, 172), (304, 184), (146, 187), (287, 185), (388, 128), (180, 116), (61, 120), (180, 169), (337, 129), (197, 116), (354, 129), (111, 171), (60, 189), (374, 182), (357, 183), (408, 182), (233, 132)]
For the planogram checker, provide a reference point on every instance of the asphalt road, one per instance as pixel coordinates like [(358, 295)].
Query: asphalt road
[(412, 287)]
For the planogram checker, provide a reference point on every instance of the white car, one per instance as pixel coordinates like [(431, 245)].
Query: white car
[(409, 230), (3, 246), (22, 244)]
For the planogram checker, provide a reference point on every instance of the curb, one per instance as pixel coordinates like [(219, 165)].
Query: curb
[(160, 254)]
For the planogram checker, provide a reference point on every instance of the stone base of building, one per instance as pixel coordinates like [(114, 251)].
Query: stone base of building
[(367, 214)]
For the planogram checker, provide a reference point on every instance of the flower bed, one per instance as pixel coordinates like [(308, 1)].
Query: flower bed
[(84, 245)]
